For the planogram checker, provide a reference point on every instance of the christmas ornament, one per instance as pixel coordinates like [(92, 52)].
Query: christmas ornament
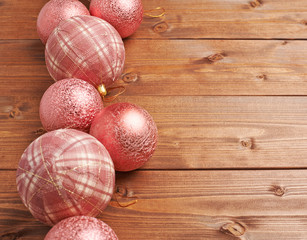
[(69, 103), (65, 173), (81, 228), (53, 12), (125, 16), (85, 47), (128, 132)]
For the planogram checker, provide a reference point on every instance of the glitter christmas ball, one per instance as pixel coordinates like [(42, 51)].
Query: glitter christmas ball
[(128, 132), (126, 16), (87, 48), (69, 103), (81, 228), (53, 12), (65, 173)]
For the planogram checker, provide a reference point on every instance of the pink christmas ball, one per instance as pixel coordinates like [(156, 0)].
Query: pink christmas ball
[(87, 48), (53, 12), (126, 16), (128, 132), (69, 103), (81, 228), (65, 173)]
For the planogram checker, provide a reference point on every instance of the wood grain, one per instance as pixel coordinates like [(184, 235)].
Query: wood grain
[(226, 84), (194, 132), (208, 67), (176, 67), (185, 19), (244, 19), (206, 204)]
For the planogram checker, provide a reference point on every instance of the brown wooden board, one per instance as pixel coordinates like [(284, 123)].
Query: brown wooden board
[(194, 132), (185, 19), (225, 82), (186, 205), (176, 67)]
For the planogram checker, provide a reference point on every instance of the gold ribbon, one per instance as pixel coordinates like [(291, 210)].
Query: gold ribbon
[(105, 92)]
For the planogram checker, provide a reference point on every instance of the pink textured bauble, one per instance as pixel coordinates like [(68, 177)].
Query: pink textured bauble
[(128, 132), (54, 12), (65, 173), (69, 103), (81, 228), (126, 16), (87, 48)]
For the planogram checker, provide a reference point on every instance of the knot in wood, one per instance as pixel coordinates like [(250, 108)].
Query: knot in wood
[(123, 196), (160, 27), (234, 229), (121, 190), (40, 131), (246, 143), (304, 22), (278, 191), (284, 42), (256, 3), (129, 77), (262, 77), (15, 113), (215, 57)]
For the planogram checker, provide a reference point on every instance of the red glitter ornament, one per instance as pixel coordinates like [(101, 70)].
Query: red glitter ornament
[(81, 228), (53, 12), (126, 16), (87, 48), (65, 173), (128, 132), (69, 103)]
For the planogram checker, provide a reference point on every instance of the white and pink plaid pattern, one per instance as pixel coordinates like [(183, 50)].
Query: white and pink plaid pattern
[(65, 173), (87, 48)]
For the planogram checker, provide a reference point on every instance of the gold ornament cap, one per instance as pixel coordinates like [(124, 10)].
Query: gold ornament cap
[(102, 90)]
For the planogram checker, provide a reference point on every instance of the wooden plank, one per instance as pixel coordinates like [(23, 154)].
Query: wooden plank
[(194, 132), (186, 205), (250, 19), (208, 67), (208, 95), (185, 19), (177, 67)]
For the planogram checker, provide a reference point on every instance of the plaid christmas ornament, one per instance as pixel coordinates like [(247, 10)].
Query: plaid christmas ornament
[(87, 48), (65, 173)]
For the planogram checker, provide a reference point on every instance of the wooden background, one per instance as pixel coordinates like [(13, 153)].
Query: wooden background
[(226, 82)]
